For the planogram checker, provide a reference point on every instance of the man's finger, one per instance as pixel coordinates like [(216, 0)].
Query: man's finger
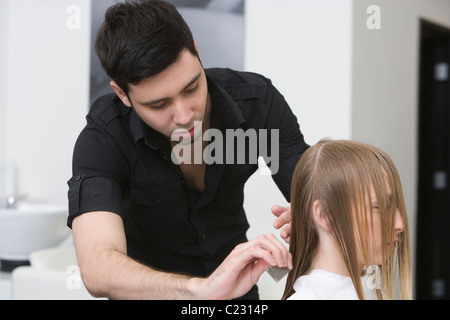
[(286, 232), (273, 251), (283, 218), (277, 210)]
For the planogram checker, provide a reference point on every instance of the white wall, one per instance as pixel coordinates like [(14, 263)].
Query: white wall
[(47, 92), (386, 81), (3, 77), (305, 48)]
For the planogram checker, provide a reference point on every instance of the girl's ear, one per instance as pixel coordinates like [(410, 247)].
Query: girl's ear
[(320, 216)]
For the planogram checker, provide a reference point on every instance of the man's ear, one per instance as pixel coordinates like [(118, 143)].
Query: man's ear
[(120, 93), (196, 48), (320, 216)]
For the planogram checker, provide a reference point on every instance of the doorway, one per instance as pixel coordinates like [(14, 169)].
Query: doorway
[(433, 220)]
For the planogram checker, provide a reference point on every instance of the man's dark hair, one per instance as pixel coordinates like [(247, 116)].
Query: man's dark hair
[(141, 38)]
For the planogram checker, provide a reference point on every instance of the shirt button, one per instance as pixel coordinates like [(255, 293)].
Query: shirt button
[(78, 178), (203, 237)]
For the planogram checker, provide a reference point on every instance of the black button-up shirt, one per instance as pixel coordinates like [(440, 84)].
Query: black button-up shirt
[(123, 166)]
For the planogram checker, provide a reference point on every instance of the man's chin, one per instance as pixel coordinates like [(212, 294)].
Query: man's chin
[(185, 137), (183, 141)]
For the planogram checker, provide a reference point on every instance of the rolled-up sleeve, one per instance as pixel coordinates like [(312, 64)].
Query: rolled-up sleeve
[(89, 194), (98, 174)]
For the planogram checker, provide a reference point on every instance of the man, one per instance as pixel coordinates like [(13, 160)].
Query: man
[(147, 222)]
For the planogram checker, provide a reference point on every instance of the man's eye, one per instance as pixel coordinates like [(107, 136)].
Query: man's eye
[(160, 106), (192, 90)]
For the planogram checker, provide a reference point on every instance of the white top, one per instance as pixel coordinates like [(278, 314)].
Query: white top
[(324, 285)]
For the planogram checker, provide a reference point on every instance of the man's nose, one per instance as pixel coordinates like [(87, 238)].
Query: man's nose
[(182, 114)]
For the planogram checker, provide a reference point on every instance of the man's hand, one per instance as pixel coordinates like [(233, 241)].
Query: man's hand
[(240, 271), (107, 271), (283, 219)]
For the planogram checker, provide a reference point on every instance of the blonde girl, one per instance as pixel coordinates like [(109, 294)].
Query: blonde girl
[(348, 214)]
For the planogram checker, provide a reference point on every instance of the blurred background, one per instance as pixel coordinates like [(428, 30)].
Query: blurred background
[(373, 71)]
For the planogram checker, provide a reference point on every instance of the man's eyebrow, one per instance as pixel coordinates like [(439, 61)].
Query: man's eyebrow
[(156, 101)]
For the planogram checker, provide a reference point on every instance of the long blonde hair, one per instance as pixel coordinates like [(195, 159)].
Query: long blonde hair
[(340, 174)]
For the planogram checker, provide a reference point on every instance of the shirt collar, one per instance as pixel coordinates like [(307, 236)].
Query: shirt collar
[(225, 110), (142, 132), (225, 114)]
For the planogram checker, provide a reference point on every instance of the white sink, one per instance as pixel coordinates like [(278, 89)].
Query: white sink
[(29, 227)]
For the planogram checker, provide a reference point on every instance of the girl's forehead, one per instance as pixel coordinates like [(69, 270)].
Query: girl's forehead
[(382, 189)]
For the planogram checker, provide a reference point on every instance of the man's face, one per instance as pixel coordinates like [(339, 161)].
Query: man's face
[(173, 100)]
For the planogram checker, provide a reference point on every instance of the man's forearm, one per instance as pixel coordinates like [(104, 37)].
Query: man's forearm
[(114, 275), (111, 273)]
